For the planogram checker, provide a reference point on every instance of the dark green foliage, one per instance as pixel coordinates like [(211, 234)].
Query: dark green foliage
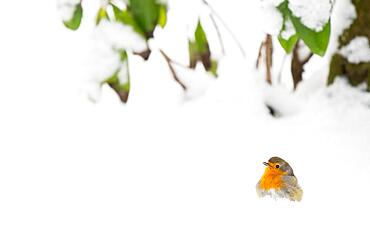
[(125, 17), (147, 14)]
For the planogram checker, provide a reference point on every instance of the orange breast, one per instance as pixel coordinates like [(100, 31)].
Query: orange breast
[(272, 179)]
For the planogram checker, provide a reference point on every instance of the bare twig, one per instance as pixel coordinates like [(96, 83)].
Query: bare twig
[(179, 64), (267, 44), (172, 69), (226, 27), (259, 55)]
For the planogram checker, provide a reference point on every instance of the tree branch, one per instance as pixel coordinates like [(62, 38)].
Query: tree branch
[(259, 55), (172, 69)]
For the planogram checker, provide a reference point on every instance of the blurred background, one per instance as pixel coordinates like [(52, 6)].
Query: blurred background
[(105, 144)]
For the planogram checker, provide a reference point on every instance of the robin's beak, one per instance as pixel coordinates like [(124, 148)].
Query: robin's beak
[(266, 164)]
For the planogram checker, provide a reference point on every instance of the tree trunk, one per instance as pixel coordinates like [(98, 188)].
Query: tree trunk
[(340, 66)]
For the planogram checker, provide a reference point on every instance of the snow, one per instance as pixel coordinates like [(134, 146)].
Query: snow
[(344, 13), (109, 38), (303, 51), (289, 30), (162, 1), (119, 36), (313, 13), (272, 2), (123, 74), (104, 2), (164, 171), (67, 8), (357, 51), (272, 19)]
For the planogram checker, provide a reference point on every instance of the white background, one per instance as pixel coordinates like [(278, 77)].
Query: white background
[(166, 170)]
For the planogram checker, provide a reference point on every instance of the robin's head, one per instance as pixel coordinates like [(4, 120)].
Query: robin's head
[(278, 165)]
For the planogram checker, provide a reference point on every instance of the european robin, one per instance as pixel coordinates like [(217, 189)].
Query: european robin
[(279, 180)]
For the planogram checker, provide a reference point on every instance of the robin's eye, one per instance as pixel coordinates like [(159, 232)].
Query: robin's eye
[(277, 166)]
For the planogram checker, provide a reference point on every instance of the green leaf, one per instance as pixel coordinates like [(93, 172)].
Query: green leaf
[(192, 54), (201, 39), (123, 55), (288, 44), (102, 14), (145, 13), (214, 67), (284, 10), (125, 17), (162, 16), (122, 91), (316, 41), (199, 51), (122, 88), (75, 21)]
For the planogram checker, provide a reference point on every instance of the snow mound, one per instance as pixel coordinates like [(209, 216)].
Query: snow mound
[(357, 51)]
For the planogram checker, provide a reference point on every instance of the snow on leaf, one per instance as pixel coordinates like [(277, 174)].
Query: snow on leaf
[(314, 14), (272, 19), (71, 12), (120, 37), (66, 8), (316, 41)]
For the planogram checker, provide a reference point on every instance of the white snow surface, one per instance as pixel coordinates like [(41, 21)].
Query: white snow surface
[(357, 51), (168, 169), (313, 13)]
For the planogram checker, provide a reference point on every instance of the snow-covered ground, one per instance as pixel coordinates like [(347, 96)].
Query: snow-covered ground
[(168, 169)]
